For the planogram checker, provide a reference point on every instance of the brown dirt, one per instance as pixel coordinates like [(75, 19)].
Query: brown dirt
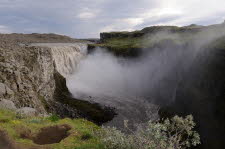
[(47, 135), (5, 141), (52, 134), (24, 132)]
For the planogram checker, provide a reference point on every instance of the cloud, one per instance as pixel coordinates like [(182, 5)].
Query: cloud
[(5, 29), (86, 15), (86, 18), (123, 24)]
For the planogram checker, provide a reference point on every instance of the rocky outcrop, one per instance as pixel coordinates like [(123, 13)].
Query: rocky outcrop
[(32, 81), (27, 77)]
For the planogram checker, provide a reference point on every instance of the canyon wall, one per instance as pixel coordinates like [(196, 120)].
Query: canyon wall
[(32, 81), (27, 74)]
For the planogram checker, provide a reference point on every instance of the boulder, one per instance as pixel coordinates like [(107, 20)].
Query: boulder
[(27, 111), (7, 104)]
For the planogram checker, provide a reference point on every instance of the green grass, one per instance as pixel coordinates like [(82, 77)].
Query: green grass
[(122, 46), (131, 43), (81, 135), (125, 42), (132, 46), (121, 43)]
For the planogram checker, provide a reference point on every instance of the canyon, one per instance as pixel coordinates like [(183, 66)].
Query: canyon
[(154, 73)]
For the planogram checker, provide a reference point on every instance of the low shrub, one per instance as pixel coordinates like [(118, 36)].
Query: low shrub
[(54, 118), (176, 133)]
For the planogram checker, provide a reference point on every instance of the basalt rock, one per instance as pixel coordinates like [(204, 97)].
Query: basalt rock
[(30, 80)]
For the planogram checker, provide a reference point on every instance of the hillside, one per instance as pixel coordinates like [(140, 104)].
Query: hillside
[(131, 43)]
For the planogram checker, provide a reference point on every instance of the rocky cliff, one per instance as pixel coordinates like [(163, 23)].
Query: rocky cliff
[(27, 74), (32, 81)]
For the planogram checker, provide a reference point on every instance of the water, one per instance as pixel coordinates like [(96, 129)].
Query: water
[(112, 90), (66, 55)]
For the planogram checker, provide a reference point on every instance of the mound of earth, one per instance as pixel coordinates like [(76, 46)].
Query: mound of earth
[(5, 141), (52, 134)]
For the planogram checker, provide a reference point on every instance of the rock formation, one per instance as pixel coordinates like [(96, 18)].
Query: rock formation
[(28, 78)]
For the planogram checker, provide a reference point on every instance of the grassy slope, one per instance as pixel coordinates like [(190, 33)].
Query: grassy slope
[(121, 46), (13, 125), (131, 43)]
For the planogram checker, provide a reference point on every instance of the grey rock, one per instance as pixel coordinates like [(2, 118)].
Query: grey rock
[(27, 111), (7, 104), (9, 91), (29, 75), (2, 89)]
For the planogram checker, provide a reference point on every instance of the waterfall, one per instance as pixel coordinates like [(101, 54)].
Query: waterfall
[(67, 57)]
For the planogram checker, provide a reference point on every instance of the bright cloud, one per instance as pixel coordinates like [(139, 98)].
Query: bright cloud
[(86, 15), (123, 24)]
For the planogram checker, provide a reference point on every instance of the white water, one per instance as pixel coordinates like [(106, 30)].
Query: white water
[(103, 78), (66, 56)]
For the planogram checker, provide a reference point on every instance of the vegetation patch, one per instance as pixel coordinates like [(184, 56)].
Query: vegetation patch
[(121, 46), (176, 133), (42, 133), (130, 44)]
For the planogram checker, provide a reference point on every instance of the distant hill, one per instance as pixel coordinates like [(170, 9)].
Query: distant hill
[(12, 40), (126, 43)]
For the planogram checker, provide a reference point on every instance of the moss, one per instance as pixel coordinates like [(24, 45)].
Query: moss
[(6, 116), (80, 128)]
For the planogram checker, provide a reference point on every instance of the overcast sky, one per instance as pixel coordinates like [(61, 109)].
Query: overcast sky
[(87, 18)]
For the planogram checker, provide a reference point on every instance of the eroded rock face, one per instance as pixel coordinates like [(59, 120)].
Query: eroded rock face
[(26, 77), (32, 81)]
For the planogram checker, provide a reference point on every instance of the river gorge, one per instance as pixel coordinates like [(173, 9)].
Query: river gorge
[(177, 71)]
